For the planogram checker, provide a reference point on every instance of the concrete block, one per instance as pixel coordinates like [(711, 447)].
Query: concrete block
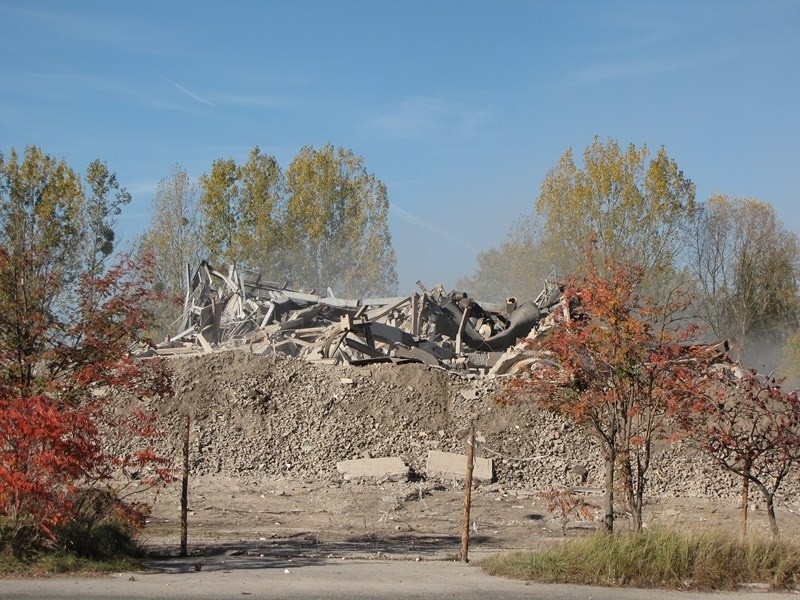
[(388, 468), (447, 465)]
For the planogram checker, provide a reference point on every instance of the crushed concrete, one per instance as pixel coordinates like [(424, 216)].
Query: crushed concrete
[(257, 416)]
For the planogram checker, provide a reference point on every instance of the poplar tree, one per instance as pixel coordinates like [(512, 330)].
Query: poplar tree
[(174, 240), (631, 208), (336, 224)]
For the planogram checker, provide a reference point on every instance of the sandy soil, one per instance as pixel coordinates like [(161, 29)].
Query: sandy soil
[(281, 517)]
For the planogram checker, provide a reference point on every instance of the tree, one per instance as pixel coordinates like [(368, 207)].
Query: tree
[(336, 224), (174, 238), (789, 364), (104, 199), (325, 224), (65, 329), (51, 423), (219, 203), (517, 267), (616, 354), (750, 427), (565, 504), (630, 209), (242, 207), (261, 205), (44, 450), (746, 266), (40, 203)]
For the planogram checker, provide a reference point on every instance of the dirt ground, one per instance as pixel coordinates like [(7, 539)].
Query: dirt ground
[(286, 518), (251, 413)]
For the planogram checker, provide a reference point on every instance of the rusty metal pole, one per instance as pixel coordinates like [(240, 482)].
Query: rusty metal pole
[(468, 494), (185, 488)]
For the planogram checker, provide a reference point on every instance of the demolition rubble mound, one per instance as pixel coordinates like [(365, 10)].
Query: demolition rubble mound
[(265, 416)]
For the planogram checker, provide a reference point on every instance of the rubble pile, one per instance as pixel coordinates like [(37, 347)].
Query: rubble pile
[(439, 329), (323, 380), (255, 416)]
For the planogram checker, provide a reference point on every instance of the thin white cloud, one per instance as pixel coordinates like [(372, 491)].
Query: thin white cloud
[(424, 224), (191, 94), (48, 85), (82, 26), (419, 117), (641, 68), (252, 100)]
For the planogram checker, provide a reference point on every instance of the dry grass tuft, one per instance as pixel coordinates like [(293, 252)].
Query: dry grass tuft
[(657, 558)]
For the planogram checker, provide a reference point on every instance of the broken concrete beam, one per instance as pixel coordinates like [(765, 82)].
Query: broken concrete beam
[(447, 465), (389, 468), (416, 354)]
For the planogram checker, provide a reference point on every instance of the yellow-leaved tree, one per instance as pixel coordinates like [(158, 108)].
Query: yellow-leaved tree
[(335, 227), (241, 207), (620, 205), (174, 240), (631, 208)]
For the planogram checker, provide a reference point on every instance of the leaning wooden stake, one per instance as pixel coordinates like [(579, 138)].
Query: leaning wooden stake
[(185, 488), (468, 494)]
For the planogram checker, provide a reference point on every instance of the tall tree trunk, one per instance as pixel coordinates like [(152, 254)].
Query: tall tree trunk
[(773, 522), (631, 488), (745, 502), (634, 489), (636, 509), (642, 466)]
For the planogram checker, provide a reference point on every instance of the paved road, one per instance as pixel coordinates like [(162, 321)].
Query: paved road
[(252, 577)]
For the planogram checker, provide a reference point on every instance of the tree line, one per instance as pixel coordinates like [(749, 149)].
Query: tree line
[(651, 270), (323, 223), (72, 306), (651, 277), (733, 254)]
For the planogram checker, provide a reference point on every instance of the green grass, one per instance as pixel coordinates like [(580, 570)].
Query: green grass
[(106, 547), (58, 563), (660, 558)]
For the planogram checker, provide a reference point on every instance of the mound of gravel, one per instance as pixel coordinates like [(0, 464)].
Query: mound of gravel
[(259, 416)]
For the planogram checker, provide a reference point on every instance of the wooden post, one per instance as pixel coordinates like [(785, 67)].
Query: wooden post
[(414, 314), (461, 326), (185, 488), (468, 494)]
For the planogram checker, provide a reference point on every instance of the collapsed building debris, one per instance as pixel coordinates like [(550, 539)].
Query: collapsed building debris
[(440, 329)]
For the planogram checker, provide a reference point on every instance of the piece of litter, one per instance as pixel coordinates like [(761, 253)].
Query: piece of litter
[(286, 570)]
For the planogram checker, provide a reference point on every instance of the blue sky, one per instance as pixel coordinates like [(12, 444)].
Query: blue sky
[(459, 106)]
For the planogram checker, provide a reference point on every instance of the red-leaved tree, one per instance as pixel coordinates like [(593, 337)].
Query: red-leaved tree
[(749, 426), (46, 450), (67, 322), (58, 376), (616, 357)]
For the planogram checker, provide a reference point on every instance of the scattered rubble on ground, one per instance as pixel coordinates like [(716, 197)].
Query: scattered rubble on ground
[(439, 329)]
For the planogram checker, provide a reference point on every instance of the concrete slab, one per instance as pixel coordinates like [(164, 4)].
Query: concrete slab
[(448, 465), (388, 468)]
